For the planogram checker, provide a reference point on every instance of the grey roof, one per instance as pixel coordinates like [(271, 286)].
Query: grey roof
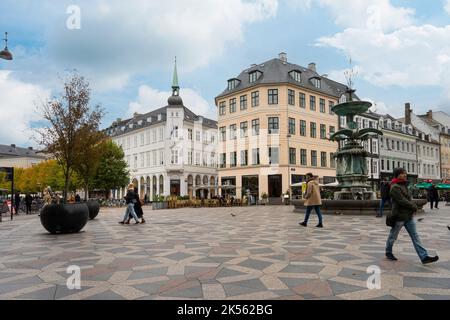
[(10, 151), (189, 116), (277, 71)]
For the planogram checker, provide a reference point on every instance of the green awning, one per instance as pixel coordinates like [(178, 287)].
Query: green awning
[(443, 186), (424, 185)]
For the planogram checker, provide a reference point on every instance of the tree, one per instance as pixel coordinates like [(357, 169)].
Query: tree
[(112, 172), (67, 116)]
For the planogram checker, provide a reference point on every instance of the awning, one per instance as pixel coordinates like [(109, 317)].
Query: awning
[(443, 186), (424, 185)]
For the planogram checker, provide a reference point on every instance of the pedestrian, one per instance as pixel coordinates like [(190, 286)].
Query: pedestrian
[(385, 197), (17, 202), (138, 207), (313, 200), (130, 199), (402, 215), (77, 198), (28, 202), (433, 197)]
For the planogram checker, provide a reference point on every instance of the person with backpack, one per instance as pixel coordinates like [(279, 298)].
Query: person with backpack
[(130, 199), (402, 215), (433, 196), (385, 197)]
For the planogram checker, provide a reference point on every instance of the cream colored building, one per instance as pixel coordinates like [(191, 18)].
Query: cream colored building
[(274, 123), (13, 156)]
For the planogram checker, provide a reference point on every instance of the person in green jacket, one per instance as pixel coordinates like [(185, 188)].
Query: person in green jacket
[(403, 210)]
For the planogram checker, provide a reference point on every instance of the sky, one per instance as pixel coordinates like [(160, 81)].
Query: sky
[(126, 50)]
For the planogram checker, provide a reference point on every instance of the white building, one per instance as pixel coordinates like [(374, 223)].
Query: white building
[(13, 156), (169, 151)]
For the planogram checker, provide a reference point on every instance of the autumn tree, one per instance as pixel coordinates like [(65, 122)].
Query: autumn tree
[(67, 116)]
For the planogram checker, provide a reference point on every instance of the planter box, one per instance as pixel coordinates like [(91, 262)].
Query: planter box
[(64, 218), (94, 209)]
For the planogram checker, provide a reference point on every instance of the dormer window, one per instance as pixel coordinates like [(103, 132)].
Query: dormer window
[(140, 122), (159, 117), (316, 82), (296, 75), (149, 119), (123, 128), (343, 99), (254, 76), (130, 126), (233, 84)]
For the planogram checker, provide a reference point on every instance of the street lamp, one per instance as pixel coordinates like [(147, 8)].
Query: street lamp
[(289, 166), (5, 54)]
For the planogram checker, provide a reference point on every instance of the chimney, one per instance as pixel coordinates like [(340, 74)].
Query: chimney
[(408, 113), (283, 56), (30, 148), (118, 120), (312, 66), (13, 145), (430, 115)]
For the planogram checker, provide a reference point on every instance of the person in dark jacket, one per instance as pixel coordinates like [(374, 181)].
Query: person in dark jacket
[(28, 202), (433, 196), (385, 187), (17, 202), (403, 210), (77, 198), (138, 207), (130, 200)]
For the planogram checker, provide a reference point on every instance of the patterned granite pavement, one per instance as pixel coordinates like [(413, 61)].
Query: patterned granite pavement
[(260, 253)]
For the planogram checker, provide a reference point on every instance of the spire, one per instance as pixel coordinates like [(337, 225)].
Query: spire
[(5, 54), (175, 86)]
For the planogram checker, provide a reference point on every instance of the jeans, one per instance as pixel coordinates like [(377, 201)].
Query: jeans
[(130, 210), (382, 204), (410, 226), (310, 209)]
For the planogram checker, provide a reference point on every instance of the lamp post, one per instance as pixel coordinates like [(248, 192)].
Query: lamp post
[(5, 54), (289, 166)]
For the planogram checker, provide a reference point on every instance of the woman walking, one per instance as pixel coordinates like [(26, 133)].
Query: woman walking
[(402, 215), (130, 199), (313, 200), (137, 207)]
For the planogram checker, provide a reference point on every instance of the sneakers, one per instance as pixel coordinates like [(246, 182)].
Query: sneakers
[(319, 225), (303, 224), (122, 222), (391, 257), (428, 260), (143, 221)]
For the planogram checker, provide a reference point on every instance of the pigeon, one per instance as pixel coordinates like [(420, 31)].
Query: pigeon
[(420, 220), (448, 227), (233, 214)]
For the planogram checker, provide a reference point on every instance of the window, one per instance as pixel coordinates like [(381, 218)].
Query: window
[(155, 160), (388, 163), (382, 165), (232, 105), (233, 132), (312, 103), (197, 135), (233, 84), (190, 158), (291, 126), (303, 128), (332, 160), (135, 141), (322, 106), (316, 82), (273, 96), (330, 107), (254, 76), (274, 155), (161, 157), (314, 158), (291, 97), (244, 102), (223, 134), (190, 134), (398, 145), (255, 157), (255, 127), (233, 159), (244, 129), (255, 99), (244, 158), (273, 125), (197, 158), (142, 139), (292, 156), (323, 159), (148, 162), (403, 146), (222, 108), (323, 131), (174, 156), (296, 75), (332, 130), (313, 130), (302, 100), (142, 156), (223, 160), (303, 157)]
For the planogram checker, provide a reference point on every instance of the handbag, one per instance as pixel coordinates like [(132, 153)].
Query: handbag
[(390, 219)]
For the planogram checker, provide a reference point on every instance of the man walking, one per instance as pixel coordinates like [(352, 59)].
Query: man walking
[(433, 196), (28, 202), (313, 200), (403, 209), (17, 202), (385, 197)]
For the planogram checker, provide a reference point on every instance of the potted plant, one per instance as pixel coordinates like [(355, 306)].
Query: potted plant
[(287, 198), (264, 198), (69, 121)]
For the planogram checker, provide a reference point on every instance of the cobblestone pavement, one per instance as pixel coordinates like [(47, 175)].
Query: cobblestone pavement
[(260, 253)]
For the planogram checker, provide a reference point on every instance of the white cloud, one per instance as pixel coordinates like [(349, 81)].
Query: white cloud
[(150, 99), (447, 6), (119, 40), (374, 14), (18, 109)]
